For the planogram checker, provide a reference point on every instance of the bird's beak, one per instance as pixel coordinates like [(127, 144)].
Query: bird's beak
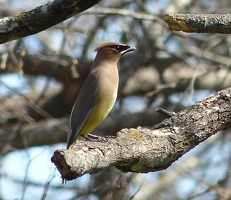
[(128, 50)]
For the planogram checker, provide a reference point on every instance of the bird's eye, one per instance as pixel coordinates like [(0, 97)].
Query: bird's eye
[(117, 48)]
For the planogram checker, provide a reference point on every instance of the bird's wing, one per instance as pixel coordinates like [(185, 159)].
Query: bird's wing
[(82, 108)]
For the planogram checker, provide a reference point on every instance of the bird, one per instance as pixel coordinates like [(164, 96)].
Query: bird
[(98, 93)]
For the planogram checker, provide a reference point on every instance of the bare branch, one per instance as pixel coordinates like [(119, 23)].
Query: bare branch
[(199, 23), (142, 150), (123, 12), (41, 18), (34, 134)]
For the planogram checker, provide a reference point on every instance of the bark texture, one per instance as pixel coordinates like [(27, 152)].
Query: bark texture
[(200, 23)]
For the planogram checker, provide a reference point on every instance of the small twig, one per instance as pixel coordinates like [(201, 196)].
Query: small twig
[(165, 112)]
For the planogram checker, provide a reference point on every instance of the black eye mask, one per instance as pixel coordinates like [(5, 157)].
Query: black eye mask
[(119, 48)]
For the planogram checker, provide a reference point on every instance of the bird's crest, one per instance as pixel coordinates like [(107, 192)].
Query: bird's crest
[(109, 44)]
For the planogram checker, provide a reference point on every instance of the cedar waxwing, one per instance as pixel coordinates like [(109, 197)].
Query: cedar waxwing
[(99, 91)]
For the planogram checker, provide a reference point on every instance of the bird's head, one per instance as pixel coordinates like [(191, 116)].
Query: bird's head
[(113, 50)]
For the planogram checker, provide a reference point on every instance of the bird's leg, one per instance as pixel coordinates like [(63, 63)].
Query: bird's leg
[(64, 182)]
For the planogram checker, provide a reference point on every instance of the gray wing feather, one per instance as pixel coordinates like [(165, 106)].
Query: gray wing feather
[(82, 108)]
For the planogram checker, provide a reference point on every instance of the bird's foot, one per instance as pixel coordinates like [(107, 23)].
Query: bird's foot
[(94, 138), (110, 136)]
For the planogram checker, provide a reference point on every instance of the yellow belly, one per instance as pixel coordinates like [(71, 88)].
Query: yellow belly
[(97, 115)]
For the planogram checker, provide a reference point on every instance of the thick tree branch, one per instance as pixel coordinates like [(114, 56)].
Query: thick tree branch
[(41, 18), (142, 150), (199, 23)]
